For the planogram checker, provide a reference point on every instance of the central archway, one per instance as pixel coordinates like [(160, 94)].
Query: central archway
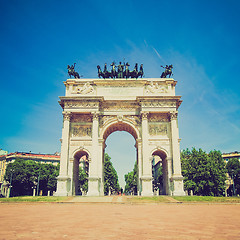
[(125, 127)]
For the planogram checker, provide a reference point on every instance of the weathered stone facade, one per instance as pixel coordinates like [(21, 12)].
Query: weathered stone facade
[(146, 108)]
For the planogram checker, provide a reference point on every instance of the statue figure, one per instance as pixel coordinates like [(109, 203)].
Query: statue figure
[(72, 72), (140, 74), (168, 71), (113, 72), (100, 73), (105, 73), (120, 70), (134, 73), (126, 72)]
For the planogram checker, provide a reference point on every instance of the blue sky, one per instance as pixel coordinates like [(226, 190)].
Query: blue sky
[(40, 38)]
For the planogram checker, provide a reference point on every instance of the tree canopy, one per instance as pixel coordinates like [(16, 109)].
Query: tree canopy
[(233, 169), (203, 173), (110, 176), (83, 180), (26, 174), (131, 180)]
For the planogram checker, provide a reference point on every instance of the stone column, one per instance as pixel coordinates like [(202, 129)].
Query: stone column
[(102, 147), (63, 182), (146, 178), (139, 158), (177, 177), (93, 179)]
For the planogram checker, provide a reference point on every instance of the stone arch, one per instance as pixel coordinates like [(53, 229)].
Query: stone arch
[(81, 157), (114, 125), (160, 156)]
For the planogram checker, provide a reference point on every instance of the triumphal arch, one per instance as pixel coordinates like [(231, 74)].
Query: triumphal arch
[(147, 108)]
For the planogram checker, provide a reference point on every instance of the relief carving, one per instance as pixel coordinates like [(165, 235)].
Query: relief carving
[(87, 88), (113, 106), (155, 88), (81, 104), (85, 118), (157, 129), (81, 131), (158, 117), (155, 103)]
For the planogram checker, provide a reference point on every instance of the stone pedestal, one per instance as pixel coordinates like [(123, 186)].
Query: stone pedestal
[(63, 186), (178, 186), (146, 186), (93, 187)]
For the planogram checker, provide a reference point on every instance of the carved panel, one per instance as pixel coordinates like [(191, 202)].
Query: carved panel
[(123, 105), (155, 88), (158, 117), (87, 88), (81, 104), (158, 103), (84, 118), (134, 119), (156, 129), (79, 130), (104, 119)]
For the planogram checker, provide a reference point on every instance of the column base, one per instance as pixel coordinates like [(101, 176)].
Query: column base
[(146, 186), (178, 187), (93, 187), (63, 186)]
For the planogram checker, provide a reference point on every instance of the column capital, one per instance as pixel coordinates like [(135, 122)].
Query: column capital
[(95, 115), (145, 115), (173, 115), (67, 116)]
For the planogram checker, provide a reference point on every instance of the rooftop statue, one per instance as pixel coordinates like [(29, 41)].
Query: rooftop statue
[(120, 72), (72, 72), (168, 71)]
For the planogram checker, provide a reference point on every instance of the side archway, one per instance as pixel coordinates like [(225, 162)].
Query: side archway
[(160, 163), (80, 159)]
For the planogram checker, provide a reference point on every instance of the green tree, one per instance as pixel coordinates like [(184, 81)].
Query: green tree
[(203, 173), (233, 169), (131, 180), (158, 179), (24, 176), (47, 177), (83, 180), (110, 176)]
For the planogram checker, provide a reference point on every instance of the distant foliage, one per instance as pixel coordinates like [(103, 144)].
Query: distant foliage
[(131, 180), (233, 169), (26, 174), (110, 177), (158, 179), (203, 173), (83, 180)]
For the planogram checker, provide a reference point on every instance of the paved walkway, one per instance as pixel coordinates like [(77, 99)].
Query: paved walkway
[(105, 199), (87, 221)]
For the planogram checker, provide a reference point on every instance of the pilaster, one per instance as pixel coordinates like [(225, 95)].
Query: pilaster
[(177, 178), (63, 184), (94, 179), (146, 178)]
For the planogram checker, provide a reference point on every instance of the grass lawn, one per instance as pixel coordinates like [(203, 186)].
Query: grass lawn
[(208, 199), (36, 199)]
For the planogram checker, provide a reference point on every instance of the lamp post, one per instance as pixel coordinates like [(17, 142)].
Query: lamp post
[(38, 182), (9, 192), (234, 193)]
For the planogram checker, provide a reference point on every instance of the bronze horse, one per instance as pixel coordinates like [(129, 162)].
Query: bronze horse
[(72, 72), (168, 71)]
